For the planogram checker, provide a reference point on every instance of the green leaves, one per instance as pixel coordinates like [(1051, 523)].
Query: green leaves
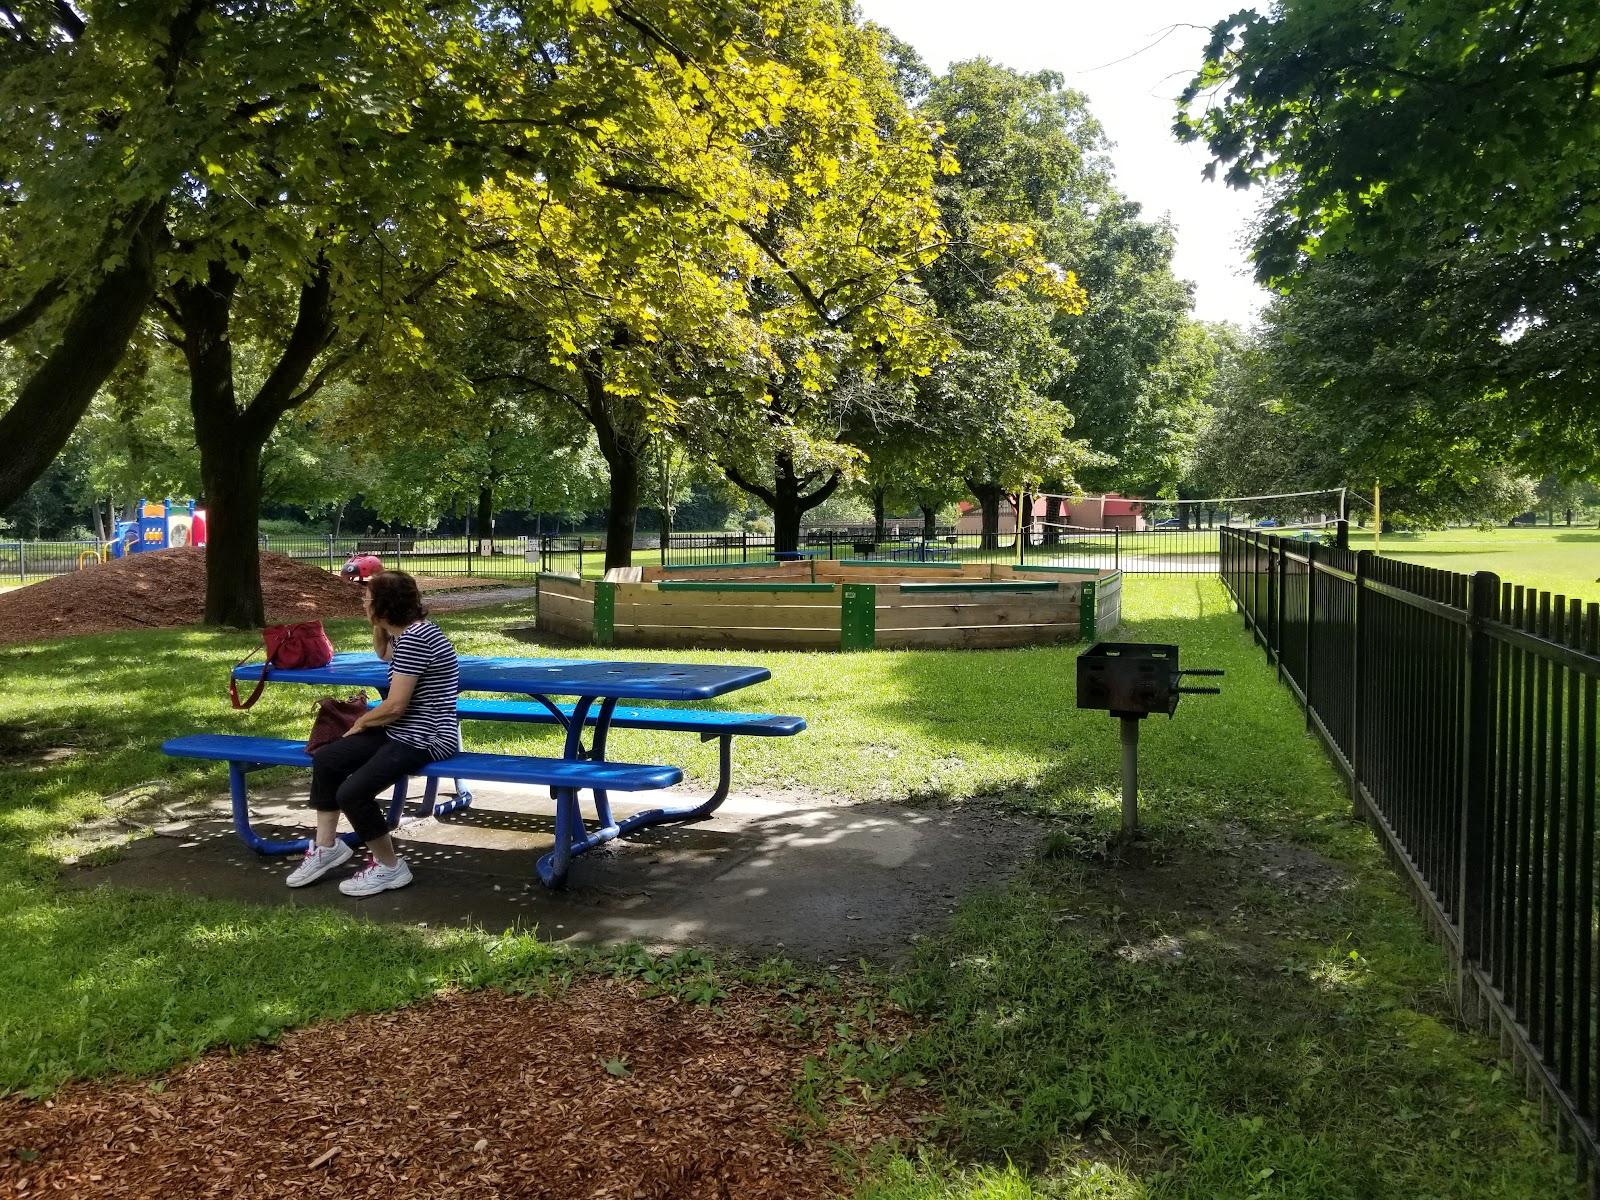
[(1450, 147)]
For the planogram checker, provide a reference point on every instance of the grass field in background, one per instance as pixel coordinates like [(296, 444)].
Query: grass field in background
[(1554, 559), (1296, 1042)]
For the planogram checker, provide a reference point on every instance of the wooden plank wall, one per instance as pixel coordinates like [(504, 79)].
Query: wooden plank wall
[(773, 572), (1108, 607), (566, 607), (746, 618), (889, 572), (976, 618)]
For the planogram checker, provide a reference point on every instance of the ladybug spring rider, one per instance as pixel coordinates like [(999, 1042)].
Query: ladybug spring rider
[(361, 567)]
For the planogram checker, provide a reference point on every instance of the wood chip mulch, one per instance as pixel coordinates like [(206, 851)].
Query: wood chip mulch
[(471, 1095), (161, 589)]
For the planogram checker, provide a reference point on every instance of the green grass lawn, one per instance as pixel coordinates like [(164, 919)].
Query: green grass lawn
[(1555, 559), (1088, 1034)]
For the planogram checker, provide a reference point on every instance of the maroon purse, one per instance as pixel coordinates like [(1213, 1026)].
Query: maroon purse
[(288, 646), (334, 718)]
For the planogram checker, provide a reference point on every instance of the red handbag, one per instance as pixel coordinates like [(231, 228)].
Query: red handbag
[(289, 647), (334, 718)]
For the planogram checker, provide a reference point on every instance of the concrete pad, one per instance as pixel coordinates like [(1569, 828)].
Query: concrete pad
[(775, 873)]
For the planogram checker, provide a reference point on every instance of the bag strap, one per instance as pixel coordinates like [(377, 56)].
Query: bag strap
[(233, 684)]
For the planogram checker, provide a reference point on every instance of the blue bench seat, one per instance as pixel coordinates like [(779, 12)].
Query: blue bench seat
[(707, 722), (563, 776)]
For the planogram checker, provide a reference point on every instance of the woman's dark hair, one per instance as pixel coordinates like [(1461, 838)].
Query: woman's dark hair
[(396, 599)]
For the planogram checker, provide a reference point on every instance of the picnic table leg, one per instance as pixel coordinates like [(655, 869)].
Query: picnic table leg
[(572, 836), (433, 807), (240, 795), (690, 812), (597, 753)]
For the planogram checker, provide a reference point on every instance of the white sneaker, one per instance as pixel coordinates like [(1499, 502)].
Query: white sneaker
[(319, 860), (375, 877)]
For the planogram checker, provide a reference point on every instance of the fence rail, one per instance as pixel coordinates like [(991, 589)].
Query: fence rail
[(1148, 551), (1463, 711), (505, 558)]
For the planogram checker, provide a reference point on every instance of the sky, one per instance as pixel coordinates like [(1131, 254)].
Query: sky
[(1131, 59)]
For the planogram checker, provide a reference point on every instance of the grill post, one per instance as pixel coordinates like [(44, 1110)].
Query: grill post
[(1130, 776)]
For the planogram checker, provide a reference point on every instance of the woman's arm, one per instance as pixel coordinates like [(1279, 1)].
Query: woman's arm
[(393, 707)]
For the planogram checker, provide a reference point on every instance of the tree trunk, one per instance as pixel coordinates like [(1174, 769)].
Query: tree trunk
[(230, 473), (930, 522), (230, 439), (1024, 518), (54, 397), (230, 455), (622, 513), (878, 502), (622, 450), (787, 498), (1052, 519), (988, 497), (486, 517)]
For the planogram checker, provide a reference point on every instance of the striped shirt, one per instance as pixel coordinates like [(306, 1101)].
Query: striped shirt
[(429, 722)]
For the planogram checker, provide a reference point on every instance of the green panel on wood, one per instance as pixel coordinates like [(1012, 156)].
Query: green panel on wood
[(605, 610), (858, 620)]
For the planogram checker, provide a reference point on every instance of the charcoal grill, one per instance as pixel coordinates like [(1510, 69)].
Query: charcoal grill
[(1132, 680)]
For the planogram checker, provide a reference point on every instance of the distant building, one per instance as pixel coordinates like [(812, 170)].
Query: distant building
[(1089, 512)]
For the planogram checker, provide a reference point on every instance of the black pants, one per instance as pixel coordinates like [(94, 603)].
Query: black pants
[(349, 774)]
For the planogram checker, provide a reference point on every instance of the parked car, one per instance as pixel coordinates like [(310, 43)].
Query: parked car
[(1167, 523)]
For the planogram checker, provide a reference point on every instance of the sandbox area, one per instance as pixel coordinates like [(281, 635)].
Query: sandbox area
[(854, 604)]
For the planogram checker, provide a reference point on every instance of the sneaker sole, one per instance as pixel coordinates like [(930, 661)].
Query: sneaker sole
[(313, 878), (388, 887)]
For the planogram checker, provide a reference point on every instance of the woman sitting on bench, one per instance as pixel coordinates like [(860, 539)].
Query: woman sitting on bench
[(415, 724)]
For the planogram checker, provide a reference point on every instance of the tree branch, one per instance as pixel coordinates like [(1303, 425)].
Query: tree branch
[(313, 330), (37, 305), (822, 493), (766, 495), (69, 20)]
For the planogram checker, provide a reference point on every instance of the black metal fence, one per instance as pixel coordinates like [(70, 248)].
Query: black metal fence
[(502, 558), (1464, 713), (21, 561), (1147, 551)]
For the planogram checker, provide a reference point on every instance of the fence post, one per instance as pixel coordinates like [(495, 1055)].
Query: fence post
[(744, 546), (1476, 751), (1116, 547), (1311, 624), (1280, 576), (1358, 675), (22, 561), (330, 553), (580, 556)]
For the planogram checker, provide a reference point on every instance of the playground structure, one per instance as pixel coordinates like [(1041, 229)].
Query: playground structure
[(824, 605), (158, 525)]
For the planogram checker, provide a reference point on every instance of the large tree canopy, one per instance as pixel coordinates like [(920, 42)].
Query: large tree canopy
[(1453, 146)]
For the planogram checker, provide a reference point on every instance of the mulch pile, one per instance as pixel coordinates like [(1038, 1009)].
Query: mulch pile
[(159, 589), (479, 1094)]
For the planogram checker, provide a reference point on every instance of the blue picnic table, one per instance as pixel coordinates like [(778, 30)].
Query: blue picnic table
[(596, 687)]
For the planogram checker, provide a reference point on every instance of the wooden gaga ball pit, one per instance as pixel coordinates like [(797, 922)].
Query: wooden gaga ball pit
[(854, 604)]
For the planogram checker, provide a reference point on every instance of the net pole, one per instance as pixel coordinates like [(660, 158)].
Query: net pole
[(1377, 518)]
